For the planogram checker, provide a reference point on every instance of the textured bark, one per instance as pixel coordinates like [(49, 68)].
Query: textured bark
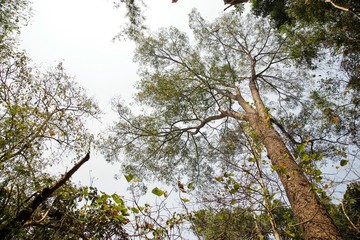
[(309, 212)]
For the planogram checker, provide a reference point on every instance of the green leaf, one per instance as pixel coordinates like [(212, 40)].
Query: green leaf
[(343, 162), (135, 210), (301, 148), (237, 186), (129, 177), (185, 200), (233, 191), (158, 192), (219, 179), (117, 199)]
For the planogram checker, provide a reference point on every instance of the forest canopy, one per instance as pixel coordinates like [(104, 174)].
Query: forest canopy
[(251, 119)]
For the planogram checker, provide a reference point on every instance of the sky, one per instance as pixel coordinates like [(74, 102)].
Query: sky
[(80, 34)]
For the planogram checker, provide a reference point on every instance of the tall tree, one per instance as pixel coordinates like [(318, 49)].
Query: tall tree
[(238, 72)]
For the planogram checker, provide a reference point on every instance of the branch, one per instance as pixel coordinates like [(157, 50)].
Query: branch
[(24, 215), (348, 218), (204, 122), (260, 107), (234, 114), (342, 8), (283, 130)]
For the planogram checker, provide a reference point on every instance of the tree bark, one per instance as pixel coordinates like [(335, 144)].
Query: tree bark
[(310, 214)]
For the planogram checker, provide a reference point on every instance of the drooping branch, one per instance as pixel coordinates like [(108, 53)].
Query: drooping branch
[(286, 133), (345, 9), (25, 214)]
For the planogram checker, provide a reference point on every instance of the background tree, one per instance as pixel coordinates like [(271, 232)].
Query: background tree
[(311, 25), (227, 224), (350, 208), (84, 213), (12, 17), (43, 120)]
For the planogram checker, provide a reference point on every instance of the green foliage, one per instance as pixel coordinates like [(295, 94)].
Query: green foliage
[(42, 116), (13, 15), (227, 224), (201, 108), (129, 177), (135, 18), (315, 24), (285, 221), (75, 213), (348, 210), (351, 203)]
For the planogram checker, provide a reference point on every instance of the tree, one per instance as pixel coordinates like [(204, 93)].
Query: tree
[(311, 25), (24, 215), (227, 224), (43, 120), (73, 213), (12, 17), (351, 210), (85, 213), (195, 95)]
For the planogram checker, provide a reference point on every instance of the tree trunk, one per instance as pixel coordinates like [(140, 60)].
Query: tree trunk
[(309, 212)]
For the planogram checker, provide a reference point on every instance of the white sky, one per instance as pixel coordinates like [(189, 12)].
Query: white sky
[(79, 33)]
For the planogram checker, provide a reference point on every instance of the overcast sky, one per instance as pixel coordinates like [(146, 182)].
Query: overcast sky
[(79, 33)]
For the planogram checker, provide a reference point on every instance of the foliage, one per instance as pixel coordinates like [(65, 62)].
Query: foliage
[(42, 117), (135, 24), (313, 25), (246, 188), (155, 219), (237, 223), (74, 213), (326, 22), (43, 120), (351, 205), (13, 15)]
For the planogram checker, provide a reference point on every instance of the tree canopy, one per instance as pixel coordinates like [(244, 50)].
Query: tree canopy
[(236, 79), (259, 114)]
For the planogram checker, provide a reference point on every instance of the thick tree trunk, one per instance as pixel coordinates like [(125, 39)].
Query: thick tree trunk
[(309, 212)]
